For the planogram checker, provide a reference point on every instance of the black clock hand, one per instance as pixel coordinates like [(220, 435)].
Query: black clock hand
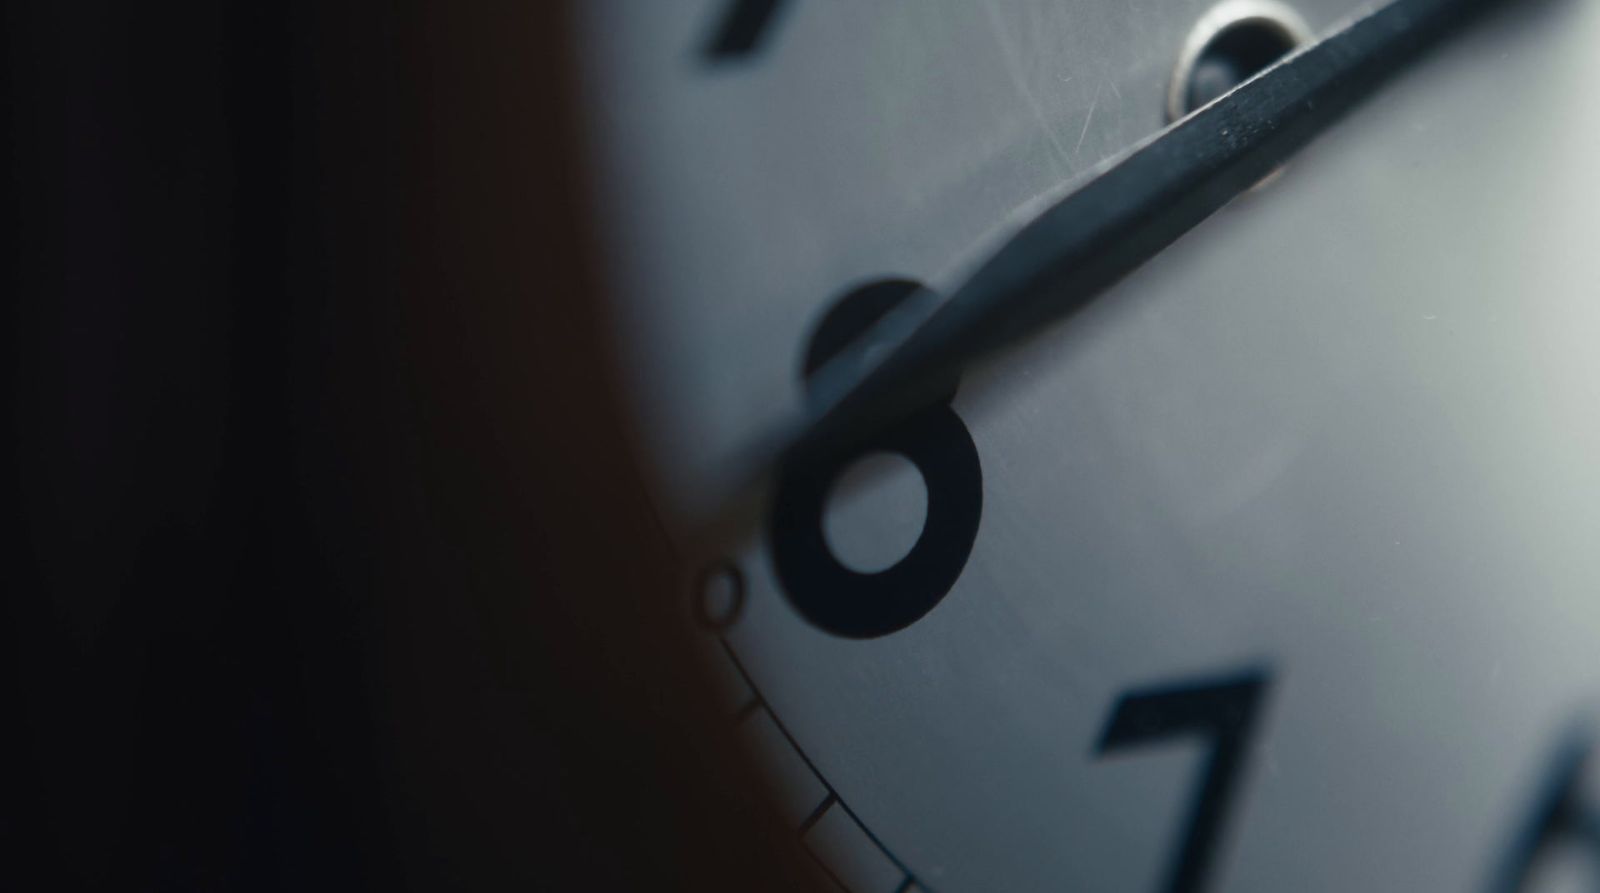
[(1078, 246), (1138, 205)]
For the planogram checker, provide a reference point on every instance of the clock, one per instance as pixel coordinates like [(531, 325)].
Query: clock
[(1270, 566)]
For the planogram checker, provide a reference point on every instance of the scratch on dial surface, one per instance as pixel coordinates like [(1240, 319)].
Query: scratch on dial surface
[(1087, 120), (1013, 60)]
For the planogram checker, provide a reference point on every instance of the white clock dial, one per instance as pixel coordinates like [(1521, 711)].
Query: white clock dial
[(1272, 570)]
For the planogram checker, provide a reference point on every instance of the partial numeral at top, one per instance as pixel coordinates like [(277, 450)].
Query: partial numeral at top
[(743, 27)]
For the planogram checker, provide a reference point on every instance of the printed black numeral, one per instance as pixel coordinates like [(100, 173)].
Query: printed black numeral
[(742, 28), (836, 598), (1222, 710), (1561, 815)]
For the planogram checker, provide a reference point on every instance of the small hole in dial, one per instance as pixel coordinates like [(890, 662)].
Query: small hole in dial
[(1232, 43), (1232, 57)]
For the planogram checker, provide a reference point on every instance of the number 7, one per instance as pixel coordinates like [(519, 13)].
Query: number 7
[(1223, 710)]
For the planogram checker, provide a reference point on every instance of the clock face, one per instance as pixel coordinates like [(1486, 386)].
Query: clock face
[(1275, 569)]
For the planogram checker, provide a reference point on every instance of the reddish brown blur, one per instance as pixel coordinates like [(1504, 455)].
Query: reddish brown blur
[(338, 570)]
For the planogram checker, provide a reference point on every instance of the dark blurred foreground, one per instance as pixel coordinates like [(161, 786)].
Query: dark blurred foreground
[(331, 568)]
